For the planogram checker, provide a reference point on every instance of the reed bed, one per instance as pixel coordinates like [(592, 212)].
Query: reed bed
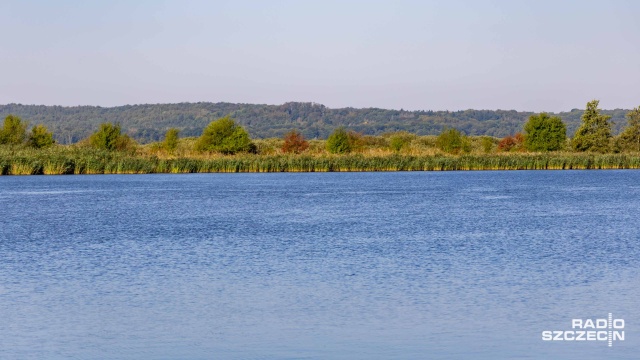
[(70, 160)]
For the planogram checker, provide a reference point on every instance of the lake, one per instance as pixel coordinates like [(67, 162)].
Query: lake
[(408, 265)]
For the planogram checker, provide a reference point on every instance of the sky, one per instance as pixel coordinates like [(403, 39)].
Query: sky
[(525, 55)]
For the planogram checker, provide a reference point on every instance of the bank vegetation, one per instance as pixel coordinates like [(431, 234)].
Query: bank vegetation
[(225, 146)]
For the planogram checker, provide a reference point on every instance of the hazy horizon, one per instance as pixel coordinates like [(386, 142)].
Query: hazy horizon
[(525, 55), (330, 107)]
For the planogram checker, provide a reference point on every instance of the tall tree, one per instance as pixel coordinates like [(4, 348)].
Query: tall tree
[(544, 133), (630, 136), (14, 131), (171, 139), (595, 130)]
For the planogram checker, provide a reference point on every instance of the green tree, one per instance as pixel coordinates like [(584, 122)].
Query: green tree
[(294, 142), (40, 137), (339, 142), (171, 139), (224, 136), (452, 141), (109, 137), (544, 133), (487, 144), (595, 130), (630, 136), (396, 143), (14, 131), (400, 140)]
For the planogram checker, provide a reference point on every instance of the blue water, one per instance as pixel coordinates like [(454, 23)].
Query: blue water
[(315, 266)]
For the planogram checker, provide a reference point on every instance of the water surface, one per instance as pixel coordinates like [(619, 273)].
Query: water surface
[(317, 265)]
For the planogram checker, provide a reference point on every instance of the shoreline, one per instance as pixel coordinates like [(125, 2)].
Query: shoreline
[(121, 163)]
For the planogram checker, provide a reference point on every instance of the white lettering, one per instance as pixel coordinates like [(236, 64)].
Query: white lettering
[(601, 334), (576, 323), (618, 335), (618, 324), (589, 324)]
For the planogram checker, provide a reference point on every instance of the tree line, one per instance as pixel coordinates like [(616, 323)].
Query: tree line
[(149, 123), (548, 133), (541, 133)]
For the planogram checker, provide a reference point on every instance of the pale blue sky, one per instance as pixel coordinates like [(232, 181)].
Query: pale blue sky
[(418, 55)]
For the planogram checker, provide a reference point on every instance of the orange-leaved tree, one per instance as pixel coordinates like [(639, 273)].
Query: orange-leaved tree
[(512, 143), (294, 142)]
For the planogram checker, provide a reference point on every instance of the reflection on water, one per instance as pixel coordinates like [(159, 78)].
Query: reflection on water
[(355, 265)]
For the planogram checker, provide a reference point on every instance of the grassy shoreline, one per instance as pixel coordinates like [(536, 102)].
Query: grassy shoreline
[(62, 161)]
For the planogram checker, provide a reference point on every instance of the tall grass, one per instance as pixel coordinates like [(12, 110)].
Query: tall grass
[(78, 160)]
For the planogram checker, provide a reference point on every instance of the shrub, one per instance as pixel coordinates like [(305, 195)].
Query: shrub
[(171, 140), (400, 140), (14, 131), (109, 137), (356, 140), (512, 143), (545, 133), (452, 141), (40, 137), (339, 142), (487, 144), (294, 142), (225, 136)]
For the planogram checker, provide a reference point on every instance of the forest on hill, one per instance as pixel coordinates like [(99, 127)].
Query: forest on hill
[(149, 122)]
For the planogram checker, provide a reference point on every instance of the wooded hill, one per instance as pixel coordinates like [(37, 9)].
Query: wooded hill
[(148, 123)]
